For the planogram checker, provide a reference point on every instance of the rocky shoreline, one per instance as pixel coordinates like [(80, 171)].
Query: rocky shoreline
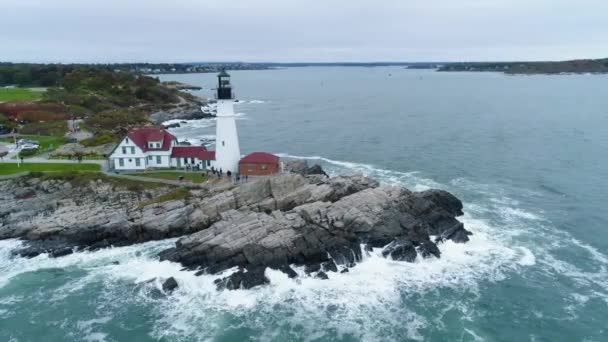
[(189, 108), (301, 218)]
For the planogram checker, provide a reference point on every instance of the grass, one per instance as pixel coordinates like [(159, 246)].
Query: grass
[(12, 168), (194, 177), (19, 94), (178, 194), (46, 143)]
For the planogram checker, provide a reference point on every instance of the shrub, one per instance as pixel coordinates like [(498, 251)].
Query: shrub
[(52, 128), (27, 153), (41, 115), (112, 119), (105, 137)]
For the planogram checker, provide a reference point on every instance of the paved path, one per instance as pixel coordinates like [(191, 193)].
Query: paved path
[(74, 134)]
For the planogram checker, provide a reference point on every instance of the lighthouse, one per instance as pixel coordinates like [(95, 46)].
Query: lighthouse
[(227, 150)]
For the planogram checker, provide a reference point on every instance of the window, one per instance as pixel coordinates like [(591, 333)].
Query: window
[(132, 150), (149, 157), (249, 167), (264, 167), (124, 150), (137, 163), (191, 160), (121, 162), (158, 160), (127, 140), (223, 143), (208, 162)]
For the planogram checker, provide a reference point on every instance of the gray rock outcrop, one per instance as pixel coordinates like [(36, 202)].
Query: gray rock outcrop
[(277, 221), (322, 233)]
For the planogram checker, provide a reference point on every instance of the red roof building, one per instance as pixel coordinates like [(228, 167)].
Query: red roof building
[(259, 164), (151, 139), (199, 152)]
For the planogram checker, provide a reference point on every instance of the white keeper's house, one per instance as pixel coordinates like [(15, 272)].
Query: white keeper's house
[(144, 148)]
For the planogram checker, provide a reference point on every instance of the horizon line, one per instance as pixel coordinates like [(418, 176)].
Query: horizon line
[(309, 63)]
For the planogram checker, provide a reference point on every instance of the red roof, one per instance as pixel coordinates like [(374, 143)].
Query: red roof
[(141, 137), (199, 152), (260, 158)]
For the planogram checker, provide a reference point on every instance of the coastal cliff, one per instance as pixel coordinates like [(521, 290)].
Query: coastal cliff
[(307, 220)]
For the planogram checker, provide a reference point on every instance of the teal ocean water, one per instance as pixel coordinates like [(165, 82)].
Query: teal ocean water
[(528, 155)]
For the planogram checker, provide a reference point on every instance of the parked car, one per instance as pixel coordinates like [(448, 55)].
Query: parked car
[(30, 146), (27, 142)]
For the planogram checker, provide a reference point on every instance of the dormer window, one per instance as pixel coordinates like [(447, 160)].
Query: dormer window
[(154, 144)]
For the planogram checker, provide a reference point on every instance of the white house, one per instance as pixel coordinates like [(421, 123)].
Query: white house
[(144, 148)]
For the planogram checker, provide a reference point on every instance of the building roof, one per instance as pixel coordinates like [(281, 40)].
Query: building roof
[(199, 152), (260, 158), (141, 137)]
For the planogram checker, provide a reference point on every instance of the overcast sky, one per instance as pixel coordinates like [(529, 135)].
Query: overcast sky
[(297, 31)]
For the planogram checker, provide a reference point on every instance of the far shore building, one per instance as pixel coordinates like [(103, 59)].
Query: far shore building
[(145, 148)]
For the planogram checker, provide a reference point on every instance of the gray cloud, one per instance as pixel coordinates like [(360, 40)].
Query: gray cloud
[(294, 30)]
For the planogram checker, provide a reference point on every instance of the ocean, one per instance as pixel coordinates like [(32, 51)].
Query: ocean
[(527, 155)]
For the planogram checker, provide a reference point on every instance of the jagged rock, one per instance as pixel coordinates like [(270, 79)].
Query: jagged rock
[(329, 266), (97, 214), (311, 268), (345, 270), (24, 193), (401, 250), (316, 170), (428, 249), (309, 233), (301, 167), (322, 275), (288, 270), (172, 125), (169, 285), (296, 166), (61, 252), (243, 279)]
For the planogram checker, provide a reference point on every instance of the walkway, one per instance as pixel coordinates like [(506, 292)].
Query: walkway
[(79, 134)]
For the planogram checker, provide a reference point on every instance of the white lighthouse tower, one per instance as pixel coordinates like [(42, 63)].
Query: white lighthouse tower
[(227, 150)]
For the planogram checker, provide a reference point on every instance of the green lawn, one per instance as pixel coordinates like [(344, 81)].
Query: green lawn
[(19, 94), (46, 143), (194, 177), (10, 168)]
